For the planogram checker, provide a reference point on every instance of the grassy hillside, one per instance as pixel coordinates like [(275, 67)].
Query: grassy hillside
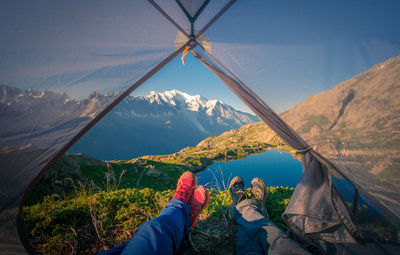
[(159, 172), (83, 205), (86, 223)]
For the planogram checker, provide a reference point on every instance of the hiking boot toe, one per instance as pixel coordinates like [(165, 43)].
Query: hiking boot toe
[(259, 191), (198, 202), (236, 190), (186, 186)]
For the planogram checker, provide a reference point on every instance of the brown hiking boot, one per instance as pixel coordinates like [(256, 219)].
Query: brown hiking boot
[(259, 192), (236, 190)]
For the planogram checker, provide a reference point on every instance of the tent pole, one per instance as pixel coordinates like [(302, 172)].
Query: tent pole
[(222, 11), (187, 14), (108, 109), (194, 18), (315, 154), (200, 10), (39, 176), (168, 17), (285, 132)]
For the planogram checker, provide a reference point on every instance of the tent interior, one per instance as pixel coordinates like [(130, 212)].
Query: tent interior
[(323, 78)]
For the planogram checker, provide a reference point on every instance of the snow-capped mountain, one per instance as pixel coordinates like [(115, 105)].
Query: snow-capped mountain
[(159, 123), (175, 102), (156, 123), (30, 116)]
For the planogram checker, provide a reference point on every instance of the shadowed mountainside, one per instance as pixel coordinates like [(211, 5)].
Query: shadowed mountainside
[(362, 112), (357, 126)]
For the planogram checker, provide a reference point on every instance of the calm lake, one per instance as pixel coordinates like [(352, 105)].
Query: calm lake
[(276, 168)]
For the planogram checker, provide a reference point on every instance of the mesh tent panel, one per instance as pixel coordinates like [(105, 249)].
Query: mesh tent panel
[(192, 6), (175, 12), (99, 64), (284, 60), (209, 13), (316, 207), (316, 210), (65, 84)]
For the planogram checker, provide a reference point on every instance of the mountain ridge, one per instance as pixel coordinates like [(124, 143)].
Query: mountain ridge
[(19, 109), (356, 125), (168, 102), (139, 125), (366, 104), (168, 115)]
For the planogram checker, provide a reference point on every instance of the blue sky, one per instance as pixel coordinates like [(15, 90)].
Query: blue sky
[(289, 50), (285, 50), (192, 78)]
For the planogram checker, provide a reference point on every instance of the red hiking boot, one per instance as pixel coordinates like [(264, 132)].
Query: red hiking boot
[(197, 204), (185, 187)]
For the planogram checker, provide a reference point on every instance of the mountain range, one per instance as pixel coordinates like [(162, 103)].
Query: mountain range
[(355, 125), (55, 115), (142, 125)]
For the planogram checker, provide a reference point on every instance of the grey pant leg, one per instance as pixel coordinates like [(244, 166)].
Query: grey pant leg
[(246, 245), (263, 237)]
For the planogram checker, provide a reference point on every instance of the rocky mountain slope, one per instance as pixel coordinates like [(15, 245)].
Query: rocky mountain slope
[(358, 120), (357, 126), (362, 112), (142, 125)]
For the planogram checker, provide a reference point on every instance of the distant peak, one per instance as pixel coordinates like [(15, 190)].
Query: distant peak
[(185, 101)]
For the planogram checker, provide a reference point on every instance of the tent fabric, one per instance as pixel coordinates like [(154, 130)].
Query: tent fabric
[(316, 207), (324, 216), (96, 72), (192, 7), (37, 132), (256, 52)]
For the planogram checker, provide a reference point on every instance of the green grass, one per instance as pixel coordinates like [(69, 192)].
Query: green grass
[(105, 204), (92, 223), (130, 174)]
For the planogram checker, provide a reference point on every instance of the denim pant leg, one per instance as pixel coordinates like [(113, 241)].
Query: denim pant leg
[(161, 235), (263, 237), (114, 250)]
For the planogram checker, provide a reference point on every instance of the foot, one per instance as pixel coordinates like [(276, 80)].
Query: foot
[(259, 192), (185, 187), (197, 204), (236, 190)]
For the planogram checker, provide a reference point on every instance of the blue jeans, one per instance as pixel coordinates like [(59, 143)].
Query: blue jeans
[(257, 235), (161, 235)]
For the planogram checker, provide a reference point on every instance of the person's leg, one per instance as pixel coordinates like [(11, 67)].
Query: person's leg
[(115, 250), (253, 222), (244, 244), (258, 228), (161, 235), (164, 234)]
